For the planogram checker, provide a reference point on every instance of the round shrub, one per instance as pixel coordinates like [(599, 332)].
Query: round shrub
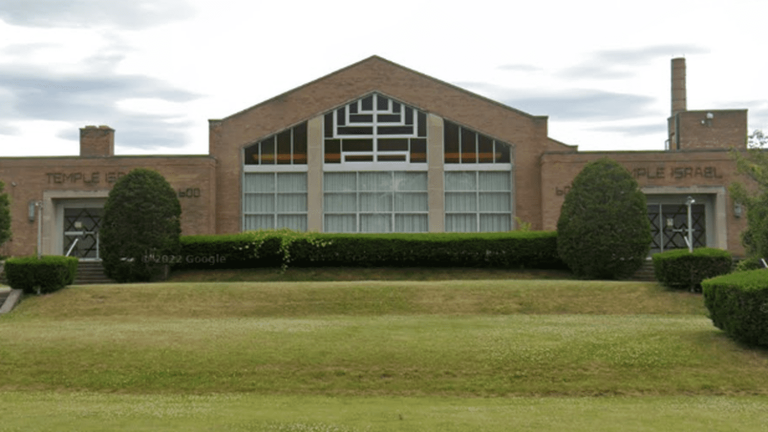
[(603, 231), (738, 304), (141, 227), (681, 269), (40, 276)]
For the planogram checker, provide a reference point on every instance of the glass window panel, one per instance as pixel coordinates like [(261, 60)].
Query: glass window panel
[(461, 223), (460, 181), (495, 201), (259, 203), (332, 151), (291, 182), (389, 118), (294, 222), (382, 103), (392, 144), (484, 149), (328, 126), (352, 108), (395, 130), (376, 202), (375, 181), (358, 158), (340, 223), (411, 202), (300, 144), (259, 222), (258, 182), (362, 130), (361, 118), (451, 140), (495, 223), (411, 223), (340, 182), (503, 153), (460, 202), (408, 115), (468, 146), (340, 203), (418, 150), (410, 181), (375, 223), (292, 203), (268, 151), (390, 158), (252, 155), (495, 181), (422, 132), (284, 147), (341, 117), (354, 145), (367, 104)]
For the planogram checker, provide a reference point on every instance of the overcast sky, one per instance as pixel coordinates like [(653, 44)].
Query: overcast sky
[(157, 70)]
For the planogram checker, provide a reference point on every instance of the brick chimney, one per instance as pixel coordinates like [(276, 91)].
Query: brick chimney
[(97, 141), (678, 86)]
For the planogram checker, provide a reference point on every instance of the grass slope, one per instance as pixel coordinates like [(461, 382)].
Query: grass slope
[(472, 338)]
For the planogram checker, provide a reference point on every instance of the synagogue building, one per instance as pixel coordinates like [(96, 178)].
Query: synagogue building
[(375, 148)]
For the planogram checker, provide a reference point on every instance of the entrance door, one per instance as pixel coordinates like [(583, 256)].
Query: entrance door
[(81, 232), (669, 226)]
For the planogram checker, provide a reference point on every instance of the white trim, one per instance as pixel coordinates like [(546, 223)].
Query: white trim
[(478, 167), (274, 168), (374, 166)]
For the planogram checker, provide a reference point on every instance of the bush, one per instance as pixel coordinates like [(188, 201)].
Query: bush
[(141, 222), (40, 276), (603, 231), (738, 304), (681, 269), (535, 249)]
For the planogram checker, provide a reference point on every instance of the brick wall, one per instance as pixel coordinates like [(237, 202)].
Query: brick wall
[(28, 179)]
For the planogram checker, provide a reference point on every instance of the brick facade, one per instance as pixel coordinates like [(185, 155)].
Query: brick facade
[(210, 187)]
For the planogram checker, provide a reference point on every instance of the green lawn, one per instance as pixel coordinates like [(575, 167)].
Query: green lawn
[(385, 355)]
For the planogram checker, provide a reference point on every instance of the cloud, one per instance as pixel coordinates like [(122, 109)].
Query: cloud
[(134, 15), (82, 99), (634, 130), (519, 68), (582, 104), (611, 64)]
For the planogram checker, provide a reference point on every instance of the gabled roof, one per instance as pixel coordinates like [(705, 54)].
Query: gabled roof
[(374, 60)]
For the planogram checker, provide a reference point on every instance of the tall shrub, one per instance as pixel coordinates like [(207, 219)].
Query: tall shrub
[(141, 227), (603, 231)]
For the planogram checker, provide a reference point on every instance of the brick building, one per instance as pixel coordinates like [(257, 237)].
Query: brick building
[(376, 147)]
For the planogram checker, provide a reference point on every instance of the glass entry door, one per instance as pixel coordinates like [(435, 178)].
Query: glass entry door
[(81, 232), (669, 226)]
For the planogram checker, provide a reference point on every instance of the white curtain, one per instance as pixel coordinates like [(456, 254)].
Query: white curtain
[(478, 200), (340, 223), (461, 223), (382, 201), (275, 200)]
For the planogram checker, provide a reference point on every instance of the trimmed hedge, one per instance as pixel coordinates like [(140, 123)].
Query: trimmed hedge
[(680, 269), (40, 276), (533, 249), (738, 304)]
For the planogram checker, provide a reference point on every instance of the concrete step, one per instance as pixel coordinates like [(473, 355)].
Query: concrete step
[(91, 272), (645, 273)]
